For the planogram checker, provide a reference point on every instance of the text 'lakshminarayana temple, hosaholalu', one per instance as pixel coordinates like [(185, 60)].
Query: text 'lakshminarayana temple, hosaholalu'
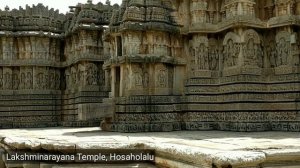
[(153, 65)]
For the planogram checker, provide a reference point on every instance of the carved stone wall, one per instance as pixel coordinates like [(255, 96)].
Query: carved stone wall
[(83, 56), (237, 67), (160, 65), (51, 65), (30, 85)]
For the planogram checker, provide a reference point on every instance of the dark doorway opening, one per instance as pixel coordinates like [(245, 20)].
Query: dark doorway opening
[(119, 46), (117, 84)]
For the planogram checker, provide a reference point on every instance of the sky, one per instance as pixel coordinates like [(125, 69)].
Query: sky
[(62, 5)]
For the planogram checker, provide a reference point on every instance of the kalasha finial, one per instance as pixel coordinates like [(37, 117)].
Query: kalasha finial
[(6, 8)]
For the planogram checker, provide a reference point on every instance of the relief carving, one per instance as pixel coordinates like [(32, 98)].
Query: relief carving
[(214, 41), (7, 79), (39, 81), (282, 52), (283, 48), (231, 50), (22, 80), (271, 53), (199, 53), (81, 74), (133, 42), (92, 74), (198, 11), (146, 79), (162, 77), (137, 75), (202, 59), (214, 54), (252, 50), (15, 80), (29, 80), (73, 76)]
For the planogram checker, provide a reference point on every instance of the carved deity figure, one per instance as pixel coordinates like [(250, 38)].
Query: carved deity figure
[(213, 59), (21, 48), (22, 81), (259, 55), (162, 78), (271, 54), (6, 48), (282, 52), (39, 48), (7, 81), (52, 80), (73, 76), (193, 61), (80, 75), (134, 44), (231, 52), (202, 57), (138, 78), (92, 74), (250, 52), (29, 80), (137, 75), (40, 81), (253, 53), (146, 79), (15, 82)]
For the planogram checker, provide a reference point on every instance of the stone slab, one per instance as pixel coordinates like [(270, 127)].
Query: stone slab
[(193, 148)]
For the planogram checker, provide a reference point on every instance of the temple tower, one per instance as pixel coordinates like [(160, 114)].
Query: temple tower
[(145, 65)]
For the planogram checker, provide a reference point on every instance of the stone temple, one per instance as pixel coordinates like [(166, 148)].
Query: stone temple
[(153, 65)]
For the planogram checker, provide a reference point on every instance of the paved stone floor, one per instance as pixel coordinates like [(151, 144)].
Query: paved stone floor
[(197, 147)]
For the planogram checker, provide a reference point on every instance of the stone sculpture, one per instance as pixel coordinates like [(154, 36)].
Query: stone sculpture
[(232, 54), (155, 65)]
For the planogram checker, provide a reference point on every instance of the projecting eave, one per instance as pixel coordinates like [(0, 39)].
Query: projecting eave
[(144, 58), (241, 21)]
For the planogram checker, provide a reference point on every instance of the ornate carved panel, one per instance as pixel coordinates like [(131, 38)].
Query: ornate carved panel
[(232, 46)]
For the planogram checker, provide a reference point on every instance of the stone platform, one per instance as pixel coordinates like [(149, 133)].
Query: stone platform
[(204, 149)]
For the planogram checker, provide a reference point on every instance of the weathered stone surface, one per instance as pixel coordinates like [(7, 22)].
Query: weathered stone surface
[(51, 65), (227, 65), (155, 65), (184, 148)]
